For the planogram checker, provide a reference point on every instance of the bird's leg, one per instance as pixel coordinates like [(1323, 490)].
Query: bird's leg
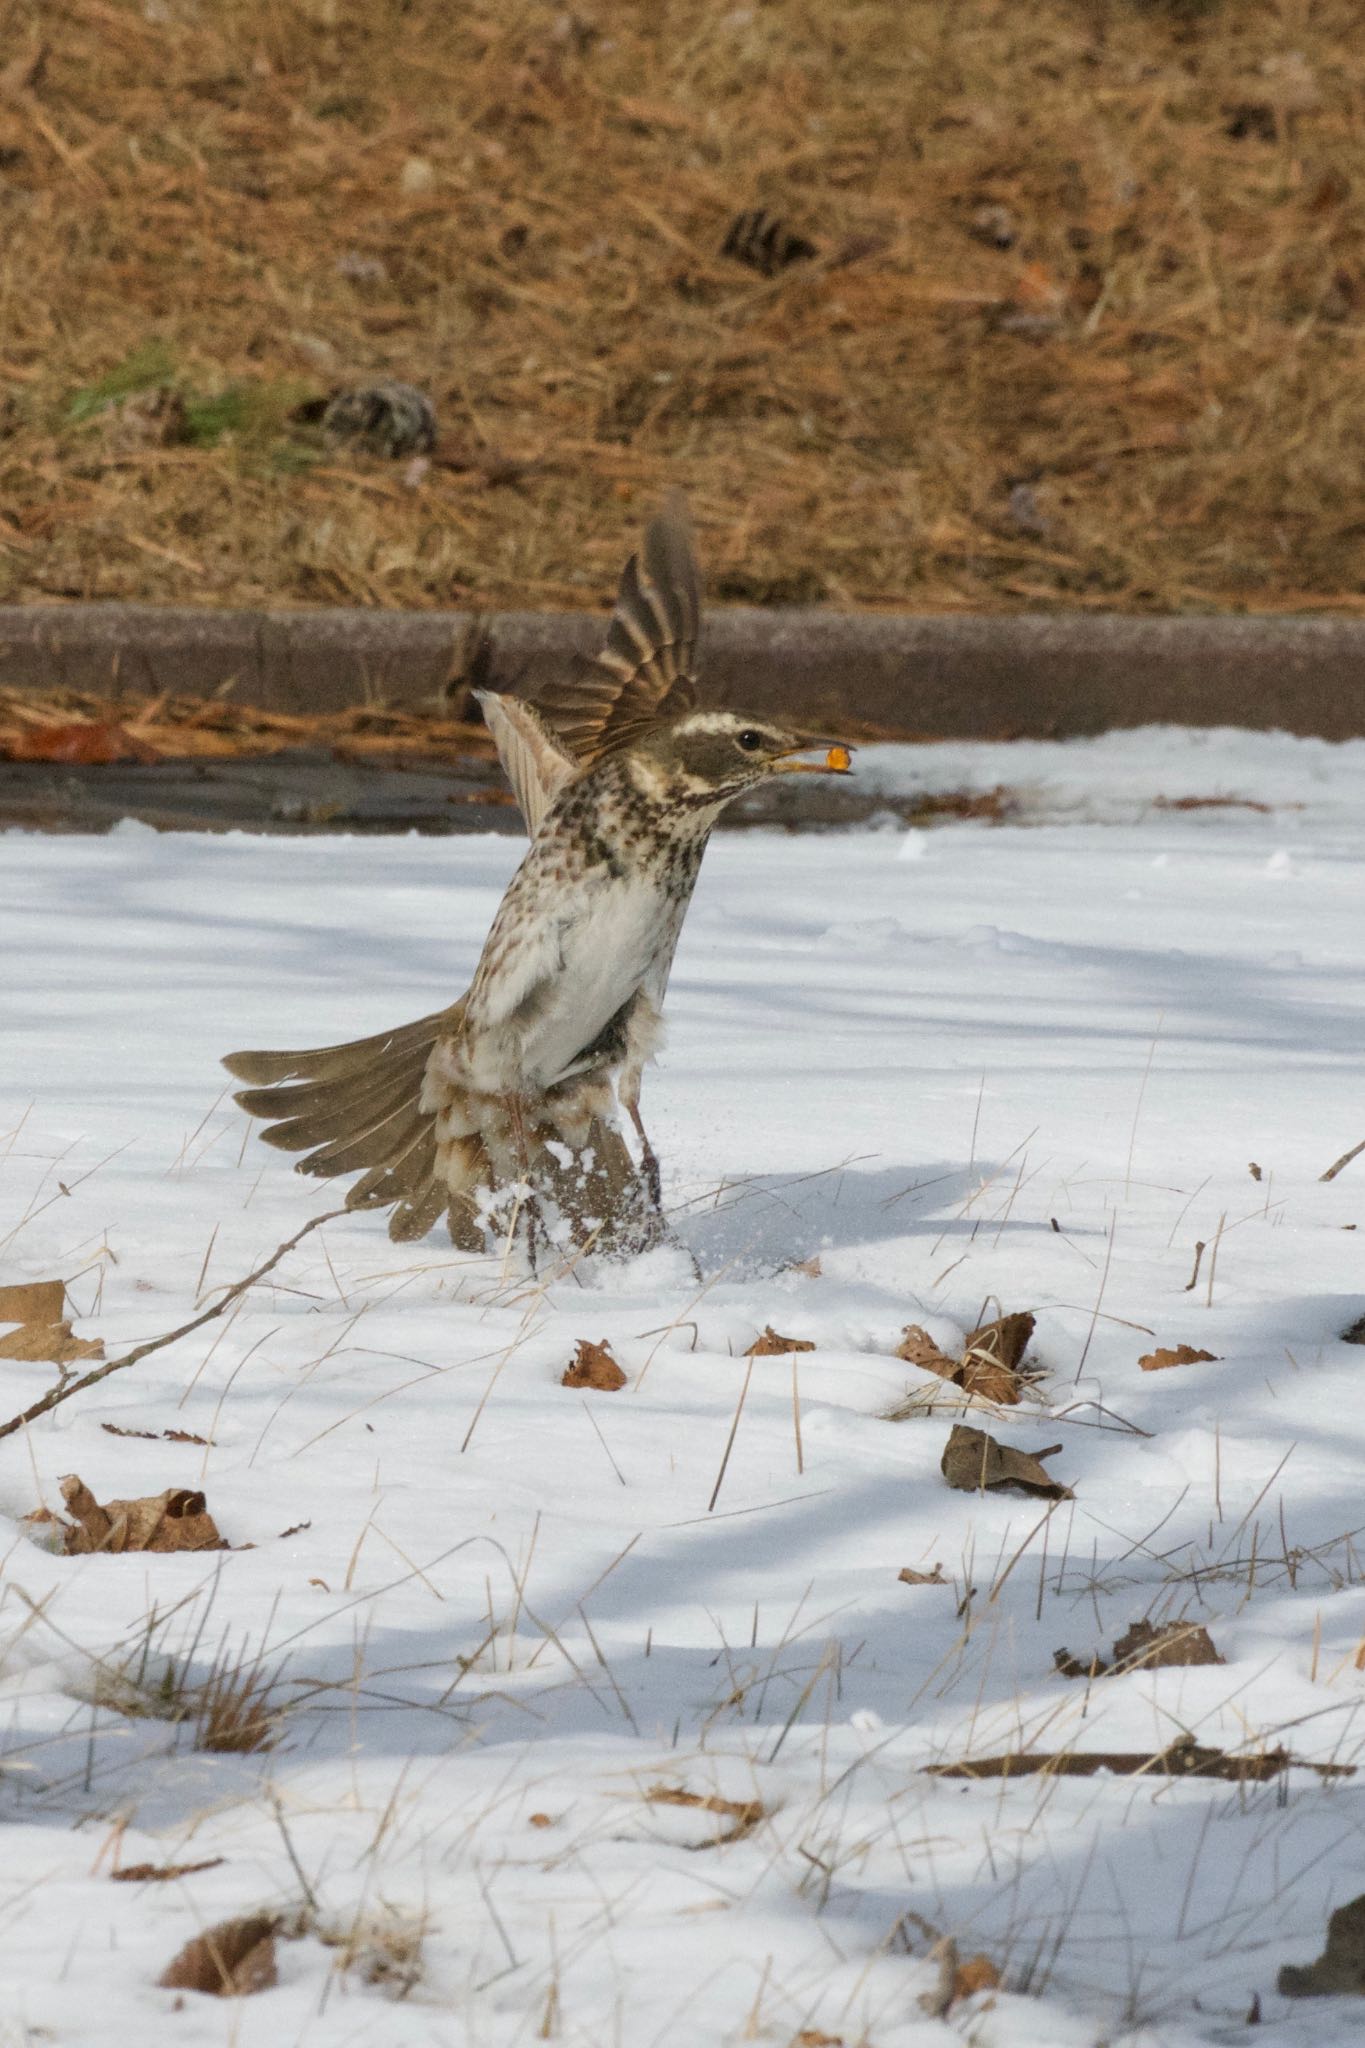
[(649, 1161), (517, 1124)]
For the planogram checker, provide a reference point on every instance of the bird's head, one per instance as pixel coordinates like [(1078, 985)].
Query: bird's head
[(706, 758)]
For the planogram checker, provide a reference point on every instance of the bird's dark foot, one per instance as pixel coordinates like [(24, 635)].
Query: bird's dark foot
[(649, 1161)]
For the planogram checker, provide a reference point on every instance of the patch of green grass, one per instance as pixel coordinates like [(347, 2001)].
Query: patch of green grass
[(248, 412), (207, 419), (256, 417), (292, 458), (259, 421), (150, 364)]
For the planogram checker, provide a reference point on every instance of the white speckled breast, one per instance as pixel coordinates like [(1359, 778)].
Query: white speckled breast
[(591, 916)]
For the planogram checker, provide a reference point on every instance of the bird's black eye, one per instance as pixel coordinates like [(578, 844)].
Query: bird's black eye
[(750, 740)]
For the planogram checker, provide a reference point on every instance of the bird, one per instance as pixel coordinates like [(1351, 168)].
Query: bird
[(511, 1091)]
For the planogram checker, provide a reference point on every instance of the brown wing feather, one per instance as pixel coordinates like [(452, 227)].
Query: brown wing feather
[(536, 763), (645, 671)]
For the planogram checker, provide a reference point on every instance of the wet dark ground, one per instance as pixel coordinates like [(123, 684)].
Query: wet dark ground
[(310, 792)]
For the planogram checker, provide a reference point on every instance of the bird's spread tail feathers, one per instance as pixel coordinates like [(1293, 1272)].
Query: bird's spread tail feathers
[(422, 1149), (355, 1108)]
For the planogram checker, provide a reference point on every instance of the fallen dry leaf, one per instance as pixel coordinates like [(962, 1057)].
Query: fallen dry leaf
[(990, 1382), (1184, 1759), (917, 1347), (1003, 1341), (812, 2037), (998, 805), (770, 1345), (540, 1820), (193, 727), (153, 1436), (991, 1357), (49, 1344), (1143, 1646), (594, 1366), (1183, 1354), (912, 1578), (978, 1973), (744, 1813), (161, 1873), (1072, 1667), (1174, 1642), (956, 1978), (174, 1520), (230, 1960), (1340, 1967), (33, 1301), (43, 1334), (1208, 803), (973, 1461), (81, 742), (989, 1363)]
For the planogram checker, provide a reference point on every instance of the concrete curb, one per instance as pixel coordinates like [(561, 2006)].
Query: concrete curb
[(938, 676)]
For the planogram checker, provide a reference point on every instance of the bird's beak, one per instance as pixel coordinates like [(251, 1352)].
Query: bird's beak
[(836, 761)]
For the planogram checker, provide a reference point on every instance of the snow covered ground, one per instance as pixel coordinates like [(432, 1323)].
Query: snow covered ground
[(910, 1080)]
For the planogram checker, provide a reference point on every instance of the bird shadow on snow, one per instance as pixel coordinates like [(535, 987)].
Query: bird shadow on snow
[(763, 1220)]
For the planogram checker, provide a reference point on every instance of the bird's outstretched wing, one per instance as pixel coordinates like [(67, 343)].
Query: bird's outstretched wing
[(537, 765), (645, 671)]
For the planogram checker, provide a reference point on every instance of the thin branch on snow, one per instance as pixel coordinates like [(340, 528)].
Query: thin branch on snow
[(1344, 1160), (66, 1389)]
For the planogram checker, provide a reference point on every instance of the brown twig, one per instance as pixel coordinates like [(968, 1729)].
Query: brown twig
[(1213, 1257), (67, 1389), (730, 1440), (1344, 1161)]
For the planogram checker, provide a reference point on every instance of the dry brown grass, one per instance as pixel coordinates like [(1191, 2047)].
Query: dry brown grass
[(1153, 399), (234, 1711)]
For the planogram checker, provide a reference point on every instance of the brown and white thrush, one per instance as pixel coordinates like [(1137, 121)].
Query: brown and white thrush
[(621, 778)]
